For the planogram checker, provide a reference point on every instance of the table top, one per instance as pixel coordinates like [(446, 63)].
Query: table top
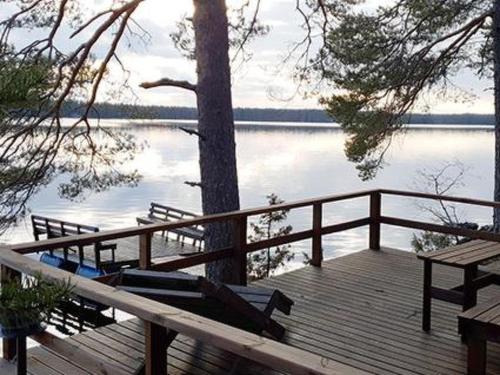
[(465, 254)]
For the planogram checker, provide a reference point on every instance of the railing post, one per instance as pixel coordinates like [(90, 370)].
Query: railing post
[(239, 258), (156, 349), (9, 350), (317, 251), (155, 336), (145, 251), (375, 208)]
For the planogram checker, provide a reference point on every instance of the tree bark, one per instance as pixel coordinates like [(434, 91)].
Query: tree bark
[(217, 148), (496, 70)]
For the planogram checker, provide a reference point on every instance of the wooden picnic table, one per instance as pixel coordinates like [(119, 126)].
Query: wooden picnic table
[(466, 256)]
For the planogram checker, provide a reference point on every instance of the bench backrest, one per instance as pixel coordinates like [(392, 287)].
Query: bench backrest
[(53, 228), (166, 213)]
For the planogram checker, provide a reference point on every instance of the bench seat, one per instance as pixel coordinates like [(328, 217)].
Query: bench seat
[(479, 325)]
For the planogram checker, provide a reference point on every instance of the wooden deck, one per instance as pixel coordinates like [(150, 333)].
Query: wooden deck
[(127, 250), (363, 309)]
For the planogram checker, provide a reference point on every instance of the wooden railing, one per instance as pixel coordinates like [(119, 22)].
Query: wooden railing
[(440, 228), (159, 317)]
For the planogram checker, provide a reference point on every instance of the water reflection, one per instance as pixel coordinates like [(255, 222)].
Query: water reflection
[(294, 163)]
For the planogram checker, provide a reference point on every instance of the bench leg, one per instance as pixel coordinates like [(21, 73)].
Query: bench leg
[(476, 356), (426, 308), (97, 258)]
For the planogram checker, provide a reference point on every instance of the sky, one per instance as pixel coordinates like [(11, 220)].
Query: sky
[(261, 82)]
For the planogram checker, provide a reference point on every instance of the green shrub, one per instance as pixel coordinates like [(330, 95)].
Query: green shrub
[(30, 302)]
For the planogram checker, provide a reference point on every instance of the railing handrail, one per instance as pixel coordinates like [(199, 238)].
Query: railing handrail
[(449, 198), (106, 235), (243, 343)]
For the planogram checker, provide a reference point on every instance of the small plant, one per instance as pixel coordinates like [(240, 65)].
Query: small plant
[(263, 263), (429, 241), (25, 305)]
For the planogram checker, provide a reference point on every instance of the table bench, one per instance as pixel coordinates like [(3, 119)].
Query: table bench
[(477, 326), (466, 256), (159, 213)]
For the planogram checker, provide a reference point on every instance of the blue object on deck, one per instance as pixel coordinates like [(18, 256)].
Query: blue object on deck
[(52, 260), (89, 272)]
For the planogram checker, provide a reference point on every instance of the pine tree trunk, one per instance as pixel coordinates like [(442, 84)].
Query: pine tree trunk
[(496, 48), (219, 181)]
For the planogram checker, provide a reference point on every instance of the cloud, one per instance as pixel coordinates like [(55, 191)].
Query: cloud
[(253, 81)]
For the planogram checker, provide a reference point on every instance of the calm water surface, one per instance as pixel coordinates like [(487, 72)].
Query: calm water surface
[(293, 163)]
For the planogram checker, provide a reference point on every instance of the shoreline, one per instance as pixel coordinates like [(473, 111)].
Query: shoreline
[(175, 123)]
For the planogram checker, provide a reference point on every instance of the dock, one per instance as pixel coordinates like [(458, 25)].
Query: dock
[(362, 309)]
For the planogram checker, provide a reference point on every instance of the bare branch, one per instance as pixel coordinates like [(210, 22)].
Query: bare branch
[(35, 147), (193, 184), (248, 33), (169, 82), (192, 132)]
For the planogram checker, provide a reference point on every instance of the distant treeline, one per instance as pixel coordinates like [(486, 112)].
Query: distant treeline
[(128, 111)]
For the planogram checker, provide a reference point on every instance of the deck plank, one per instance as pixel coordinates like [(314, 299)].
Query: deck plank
[(363, 309)]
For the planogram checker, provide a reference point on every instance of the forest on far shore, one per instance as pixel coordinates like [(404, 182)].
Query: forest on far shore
[(130, 111)]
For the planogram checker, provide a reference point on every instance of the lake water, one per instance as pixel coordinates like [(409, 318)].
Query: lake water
[(293, 162)]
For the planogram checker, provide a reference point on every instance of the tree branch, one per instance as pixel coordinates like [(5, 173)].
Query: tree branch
[(169, 82), (193, 184), (192, 132)]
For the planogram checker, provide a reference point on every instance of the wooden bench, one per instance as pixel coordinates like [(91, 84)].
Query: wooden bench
[(54, 228), (159, 213), (479, 325), (466, 256), (248, 308)]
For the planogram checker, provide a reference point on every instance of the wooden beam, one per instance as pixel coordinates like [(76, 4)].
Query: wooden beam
[(414, 194), (155, 349), (482, 281), (171, 335), (488, 236), (448, 295), (427, 296), (375, 209), (317, 251), (21, 355), (476, 355), (277, 241), (345, 226), (145, 251), (179, 262), (9, 346), (239, 258)]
